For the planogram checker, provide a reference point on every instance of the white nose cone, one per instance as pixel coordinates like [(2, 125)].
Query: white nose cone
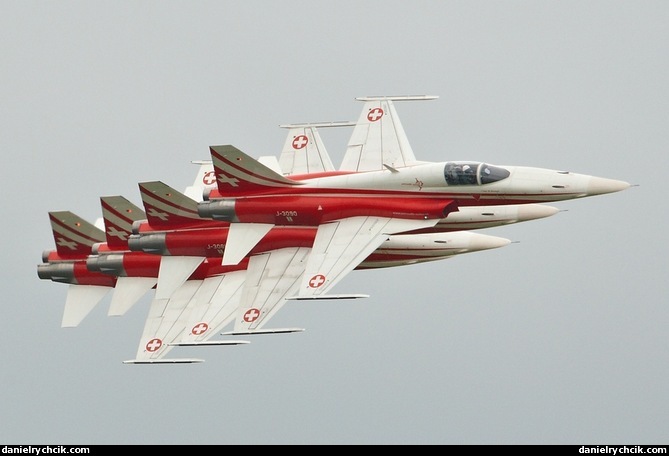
[(535, 211), (600, 186), (484, 242)]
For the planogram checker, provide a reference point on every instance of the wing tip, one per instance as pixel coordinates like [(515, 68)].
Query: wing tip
[(398, 97), (337, 296), (251, 332), (164, 361), (208, 343)]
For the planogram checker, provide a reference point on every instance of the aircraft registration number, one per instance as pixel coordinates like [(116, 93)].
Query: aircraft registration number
[(286, 213)]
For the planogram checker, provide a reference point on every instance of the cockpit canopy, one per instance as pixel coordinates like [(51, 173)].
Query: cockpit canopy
[(473, 173)]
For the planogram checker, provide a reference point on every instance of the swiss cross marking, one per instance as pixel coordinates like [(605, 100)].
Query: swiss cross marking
[(251, 315), (209, 178), (317, 280), (200, 328), (113, 232), (154, 213), (300, 142), (65, 243), (375, 114), (223, 179), (153, 345)]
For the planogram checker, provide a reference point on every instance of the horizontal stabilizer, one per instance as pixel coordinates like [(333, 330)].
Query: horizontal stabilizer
[(337, 296), (81, 299), (164, 361), (127, 292), (242, 237), (209, 342), (173, 272), (262, 331)]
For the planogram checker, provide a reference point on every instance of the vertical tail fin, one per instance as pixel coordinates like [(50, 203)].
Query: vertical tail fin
[(119, 214), (304, 151), (204, 179), (239, 174), (378, 138), (168, 208), (73, 235)]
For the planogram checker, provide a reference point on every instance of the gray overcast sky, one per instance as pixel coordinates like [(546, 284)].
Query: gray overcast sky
[(560, 338)]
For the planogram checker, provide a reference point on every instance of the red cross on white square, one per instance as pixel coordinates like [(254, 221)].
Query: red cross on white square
[(375, 114)]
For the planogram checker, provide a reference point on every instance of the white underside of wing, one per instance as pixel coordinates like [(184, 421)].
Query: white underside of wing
[(127, 292), (271, 277), (342, 245), (195, 312), (166, 322), (214, 307), (80, 300)]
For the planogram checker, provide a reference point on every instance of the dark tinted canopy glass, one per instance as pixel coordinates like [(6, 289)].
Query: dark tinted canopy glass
[(473, 173)]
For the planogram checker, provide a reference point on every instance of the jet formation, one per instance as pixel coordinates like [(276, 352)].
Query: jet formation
[(222, 257)]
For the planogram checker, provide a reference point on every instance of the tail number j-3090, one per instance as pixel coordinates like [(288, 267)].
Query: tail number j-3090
[(286, 213)]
